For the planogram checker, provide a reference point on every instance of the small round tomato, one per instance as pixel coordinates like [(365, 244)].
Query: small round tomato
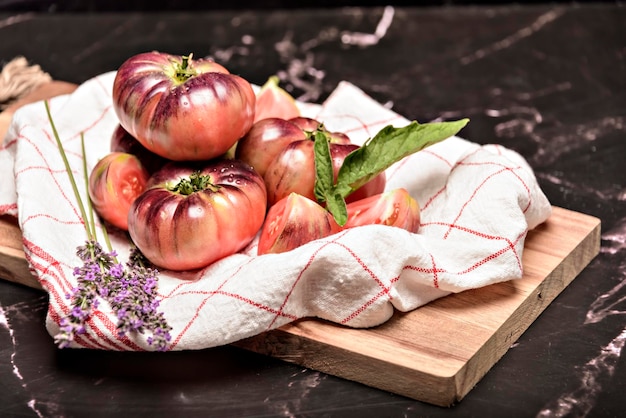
[(181, 109), (293, 171), (122, 141), (393, 208), (293, 221), (194, 214), (114, 183), (265, 140)]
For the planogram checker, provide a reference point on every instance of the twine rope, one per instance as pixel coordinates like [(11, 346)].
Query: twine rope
[(18, 78)]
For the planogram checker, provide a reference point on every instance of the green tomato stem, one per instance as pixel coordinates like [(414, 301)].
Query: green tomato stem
[(196, 182), (184, 71)]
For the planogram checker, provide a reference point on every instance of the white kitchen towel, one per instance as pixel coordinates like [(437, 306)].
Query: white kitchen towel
[(477, 202)]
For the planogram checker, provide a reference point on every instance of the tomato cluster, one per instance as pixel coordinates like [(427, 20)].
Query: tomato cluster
[(200, 165), (282, 152)]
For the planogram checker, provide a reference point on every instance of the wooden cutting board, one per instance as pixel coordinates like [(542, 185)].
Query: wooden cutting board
[(436, 353)]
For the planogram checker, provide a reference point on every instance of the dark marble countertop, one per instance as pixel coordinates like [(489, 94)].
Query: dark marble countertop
[(546, 80)]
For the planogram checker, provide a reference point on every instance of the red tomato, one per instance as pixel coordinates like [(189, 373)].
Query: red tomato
[(269, 136), (265, 140), (272, 101), (114, 183), (293, 171), (192, 215), (311, 125), (181, 109), (306, 124), (292, 222), (122, 141), (394, 208)]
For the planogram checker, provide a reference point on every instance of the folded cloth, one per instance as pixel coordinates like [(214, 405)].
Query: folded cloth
[(477, 205)]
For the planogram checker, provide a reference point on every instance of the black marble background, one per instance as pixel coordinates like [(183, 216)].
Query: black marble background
[(546, 80), (186, 5)]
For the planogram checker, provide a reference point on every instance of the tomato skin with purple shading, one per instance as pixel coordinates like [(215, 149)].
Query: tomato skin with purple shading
[(122, 141), (182, 109), (265, 139), (293, 171), (114, 183), (187, 231)]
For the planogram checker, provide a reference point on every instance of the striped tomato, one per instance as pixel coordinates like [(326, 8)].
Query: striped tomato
[(192, 215), (182, 109)]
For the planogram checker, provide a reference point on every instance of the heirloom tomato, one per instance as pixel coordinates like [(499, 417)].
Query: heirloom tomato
[(393, 208), (122, 141), (269, 136), (293, 221), (114, 183), (293, 171), (182, 109), (191, 215), (272, 101), (265, 140)]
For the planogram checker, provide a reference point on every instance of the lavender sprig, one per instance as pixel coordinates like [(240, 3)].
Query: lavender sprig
[(133, 298), (130, 289)]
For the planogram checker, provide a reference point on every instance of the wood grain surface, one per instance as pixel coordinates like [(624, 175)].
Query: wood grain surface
[(436, 353)]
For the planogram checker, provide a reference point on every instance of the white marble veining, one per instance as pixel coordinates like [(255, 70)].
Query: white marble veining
[(4, 323)]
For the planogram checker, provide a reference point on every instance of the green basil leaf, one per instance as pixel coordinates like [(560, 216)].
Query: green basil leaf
[(387, 147), (336, 205), (324, 178), (324, 188)]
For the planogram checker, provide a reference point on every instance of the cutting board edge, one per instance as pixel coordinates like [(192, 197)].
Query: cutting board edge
[(14, 266), (315, 355), (537, 299)]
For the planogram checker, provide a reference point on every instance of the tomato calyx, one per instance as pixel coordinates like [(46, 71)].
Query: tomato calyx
[(196, 182), (184, 71), (330, 137), (310, 135)]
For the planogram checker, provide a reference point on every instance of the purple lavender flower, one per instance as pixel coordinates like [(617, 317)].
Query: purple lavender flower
[(129, 289)]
